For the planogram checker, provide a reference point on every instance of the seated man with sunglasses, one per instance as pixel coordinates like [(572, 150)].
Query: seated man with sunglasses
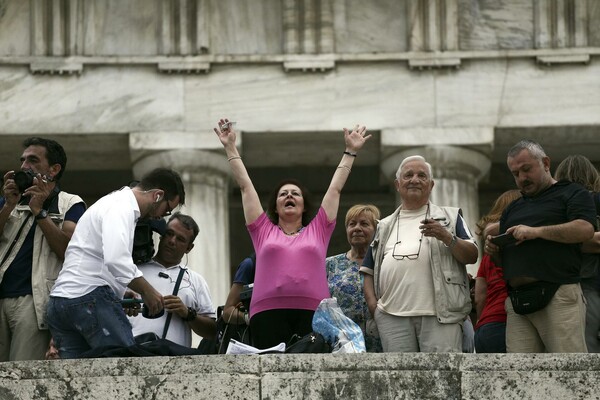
[(416, 283), (191, 308)]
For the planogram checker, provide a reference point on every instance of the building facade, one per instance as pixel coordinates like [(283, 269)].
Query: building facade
[(129, 85)]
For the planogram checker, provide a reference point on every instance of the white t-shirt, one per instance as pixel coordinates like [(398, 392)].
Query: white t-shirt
[(407, 283), (194, 293)]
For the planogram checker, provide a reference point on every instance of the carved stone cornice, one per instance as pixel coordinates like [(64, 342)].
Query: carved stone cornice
[(561, 24), (433, 28), (308, 30)]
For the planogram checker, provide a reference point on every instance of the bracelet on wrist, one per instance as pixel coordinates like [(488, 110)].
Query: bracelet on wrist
[(350, 154), (234, 158)]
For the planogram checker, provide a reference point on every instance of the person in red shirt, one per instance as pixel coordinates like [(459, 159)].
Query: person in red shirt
[(490, 288)]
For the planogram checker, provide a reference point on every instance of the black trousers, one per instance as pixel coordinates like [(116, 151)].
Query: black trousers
[(271, 327)]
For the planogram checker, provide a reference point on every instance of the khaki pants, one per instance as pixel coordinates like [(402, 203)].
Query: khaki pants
[(417, 334), (558, 328), (20, 338)]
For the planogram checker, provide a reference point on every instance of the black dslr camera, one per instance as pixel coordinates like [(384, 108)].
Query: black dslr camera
[(143, 245), (24, 179)]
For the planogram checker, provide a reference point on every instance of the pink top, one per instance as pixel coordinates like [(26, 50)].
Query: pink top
[(290, 270)]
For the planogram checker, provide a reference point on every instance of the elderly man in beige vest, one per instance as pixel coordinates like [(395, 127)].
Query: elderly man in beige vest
[(416, 283)]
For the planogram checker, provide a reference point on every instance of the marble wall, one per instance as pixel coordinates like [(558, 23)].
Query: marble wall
[(264, 98), (260, 27)]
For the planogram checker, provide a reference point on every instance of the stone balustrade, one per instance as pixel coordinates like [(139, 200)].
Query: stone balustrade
[(307, 376)]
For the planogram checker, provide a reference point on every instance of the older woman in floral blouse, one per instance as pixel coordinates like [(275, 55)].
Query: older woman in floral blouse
[(345, 283)]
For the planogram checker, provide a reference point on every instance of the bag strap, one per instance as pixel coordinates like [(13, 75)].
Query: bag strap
[(16, 239), (175, 290)]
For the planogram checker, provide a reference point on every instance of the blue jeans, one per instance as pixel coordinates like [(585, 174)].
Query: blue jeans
[(88, 322), (592, 319), (491, 338)]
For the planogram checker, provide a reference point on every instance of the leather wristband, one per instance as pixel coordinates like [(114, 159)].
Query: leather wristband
[(191, 315)]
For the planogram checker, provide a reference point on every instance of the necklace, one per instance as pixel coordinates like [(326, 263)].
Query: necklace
[(292, 233)]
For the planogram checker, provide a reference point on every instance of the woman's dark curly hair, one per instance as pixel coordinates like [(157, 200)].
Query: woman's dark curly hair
[(272, 202)]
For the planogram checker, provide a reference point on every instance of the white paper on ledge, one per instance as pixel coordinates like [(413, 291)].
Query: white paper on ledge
[(236, 347)]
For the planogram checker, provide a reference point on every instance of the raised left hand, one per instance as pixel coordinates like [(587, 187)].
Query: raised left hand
[(356, 139), (39, 192)]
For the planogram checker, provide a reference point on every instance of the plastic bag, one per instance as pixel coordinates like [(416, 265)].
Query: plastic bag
[(343, 334)]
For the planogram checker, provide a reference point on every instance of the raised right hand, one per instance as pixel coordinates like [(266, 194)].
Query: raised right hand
[(225, 132), (10, 191)]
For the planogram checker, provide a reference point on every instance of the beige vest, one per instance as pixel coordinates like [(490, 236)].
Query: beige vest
[(46, 264), (450, 280)]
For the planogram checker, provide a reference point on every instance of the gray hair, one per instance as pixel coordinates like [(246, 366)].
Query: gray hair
[(534, 148), (414, 158)]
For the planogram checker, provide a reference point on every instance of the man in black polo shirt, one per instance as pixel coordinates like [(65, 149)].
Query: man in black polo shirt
[(549, 222)]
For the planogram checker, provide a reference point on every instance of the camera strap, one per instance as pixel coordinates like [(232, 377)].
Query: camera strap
[(51, 203), (14, 242), (175, 290)]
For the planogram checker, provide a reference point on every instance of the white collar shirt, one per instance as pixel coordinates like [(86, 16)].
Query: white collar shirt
[(99, 253), (193, 292)]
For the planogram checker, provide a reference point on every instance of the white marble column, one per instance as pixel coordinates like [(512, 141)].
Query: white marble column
[(205, 175)]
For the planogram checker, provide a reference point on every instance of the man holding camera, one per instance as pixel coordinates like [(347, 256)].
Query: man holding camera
[(191, 308), (37, 221)]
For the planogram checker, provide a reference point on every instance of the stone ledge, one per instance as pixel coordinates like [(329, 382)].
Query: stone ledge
[(373, 376), (563, 59), (202, 64), (56, 66), (182, 67)]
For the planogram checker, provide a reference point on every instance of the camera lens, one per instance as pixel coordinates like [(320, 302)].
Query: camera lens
[(24, 180)]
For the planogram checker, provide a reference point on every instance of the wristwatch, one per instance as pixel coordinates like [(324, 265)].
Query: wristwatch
[(452, 242), (191, 315), (42, 214)]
